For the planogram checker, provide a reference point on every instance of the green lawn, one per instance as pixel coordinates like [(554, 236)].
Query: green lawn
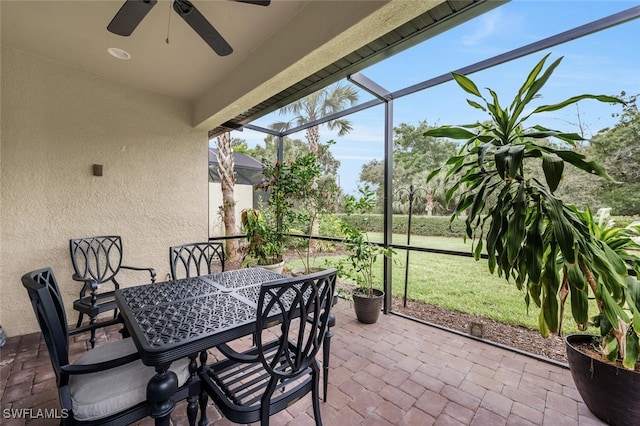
[(457, 283)]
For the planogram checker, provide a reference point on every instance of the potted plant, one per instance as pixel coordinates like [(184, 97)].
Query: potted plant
[(548, 248), (265, 245), (361, 258)]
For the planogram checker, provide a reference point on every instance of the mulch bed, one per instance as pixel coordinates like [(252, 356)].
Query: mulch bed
[(518, 337)]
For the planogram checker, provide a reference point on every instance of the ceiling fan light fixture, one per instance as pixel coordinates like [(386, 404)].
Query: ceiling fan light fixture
[(133, 11), (119, 53)]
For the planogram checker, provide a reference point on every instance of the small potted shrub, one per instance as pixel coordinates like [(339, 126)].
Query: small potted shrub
[(361, 258), (551, 250)]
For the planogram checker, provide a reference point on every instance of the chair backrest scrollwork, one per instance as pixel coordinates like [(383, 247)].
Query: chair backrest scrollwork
[(98, 258), (301, 306), (192, 260)]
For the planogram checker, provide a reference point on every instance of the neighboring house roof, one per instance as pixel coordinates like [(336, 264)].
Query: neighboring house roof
[(248, 170)]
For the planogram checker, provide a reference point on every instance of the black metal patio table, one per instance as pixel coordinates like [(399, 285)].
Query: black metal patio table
[(183, 318)]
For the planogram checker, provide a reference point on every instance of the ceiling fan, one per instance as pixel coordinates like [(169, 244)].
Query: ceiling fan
[(133, 11)]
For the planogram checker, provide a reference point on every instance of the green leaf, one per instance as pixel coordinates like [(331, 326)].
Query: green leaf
[(477, 252), (501, 159), (534, 249), (576, 278), (535, 290), (464, 203), (476, 105), (573, 100), (632, 351), (433, 174), (456, 159), (610, 347), (550, 285), (478, 203), (535, 87), (482, 151), (553, 168), (492, 237), (517, 154), (516, 228), (466, 84), (633, 294), (611, 309), (562, 229), (531, 78), (451, 192), (542, 326), (615, 261), (633, 301), (450, 132), (579, 304)]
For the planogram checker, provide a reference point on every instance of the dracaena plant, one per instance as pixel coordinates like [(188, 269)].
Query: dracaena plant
[(548, 248)]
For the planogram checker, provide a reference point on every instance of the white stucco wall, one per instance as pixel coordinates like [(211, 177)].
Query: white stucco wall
[(56, 123), (243, 195)]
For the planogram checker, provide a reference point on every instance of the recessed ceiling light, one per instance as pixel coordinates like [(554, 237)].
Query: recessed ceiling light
[(118, 53)]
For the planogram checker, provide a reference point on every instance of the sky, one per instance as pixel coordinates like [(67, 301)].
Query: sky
[(607, 62)]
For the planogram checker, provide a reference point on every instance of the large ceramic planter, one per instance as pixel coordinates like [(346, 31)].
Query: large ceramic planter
[(276, 267), (610, 392), (368, 308), (296, 272)]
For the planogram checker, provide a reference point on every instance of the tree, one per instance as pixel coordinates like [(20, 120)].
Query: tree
[(295, 148), (619, 149), (414, 157), (315, 106), (226, 167)]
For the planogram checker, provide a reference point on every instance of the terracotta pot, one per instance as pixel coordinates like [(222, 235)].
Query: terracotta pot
[(610, 392), (368, 308)]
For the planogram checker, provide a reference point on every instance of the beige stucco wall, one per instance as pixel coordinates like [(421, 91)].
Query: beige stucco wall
[(243, 196), (57, 122)]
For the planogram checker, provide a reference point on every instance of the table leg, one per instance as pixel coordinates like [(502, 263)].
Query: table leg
[(162, 386), (194, 391), (326, 353), (203, 394)]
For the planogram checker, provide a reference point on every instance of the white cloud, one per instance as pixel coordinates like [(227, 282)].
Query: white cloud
[(483, 29), (495, 23)]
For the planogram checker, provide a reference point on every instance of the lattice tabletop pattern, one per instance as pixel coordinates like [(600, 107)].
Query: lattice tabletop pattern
[(172, 312)]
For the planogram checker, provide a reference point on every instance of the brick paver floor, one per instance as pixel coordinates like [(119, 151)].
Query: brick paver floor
[(394, 372)]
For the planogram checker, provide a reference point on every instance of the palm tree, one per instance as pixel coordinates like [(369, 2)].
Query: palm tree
[(315, 106), (226, 167)]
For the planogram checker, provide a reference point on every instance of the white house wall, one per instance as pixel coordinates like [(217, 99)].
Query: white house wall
[(243, 195), (56, 123)]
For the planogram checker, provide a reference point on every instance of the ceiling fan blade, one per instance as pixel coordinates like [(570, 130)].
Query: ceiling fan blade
[(200, 25), (258, 2), (129, 16)]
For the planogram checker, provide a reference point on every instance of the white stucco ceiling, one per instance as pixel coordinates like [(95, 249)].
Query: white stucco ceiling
[(273, 45)]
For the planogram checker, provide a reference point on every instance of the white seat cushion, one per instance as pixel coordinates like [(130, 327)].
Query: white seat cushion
[(99, 395)]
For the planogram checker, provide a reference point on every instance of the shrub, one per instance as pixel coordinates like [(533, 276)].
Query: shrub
[(440, 226)]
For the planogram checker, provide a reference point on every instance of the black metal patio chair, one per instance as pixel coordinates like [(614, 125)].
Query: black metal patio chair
[(191, 260), (106, 385), (96, 261), (282, 367)]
